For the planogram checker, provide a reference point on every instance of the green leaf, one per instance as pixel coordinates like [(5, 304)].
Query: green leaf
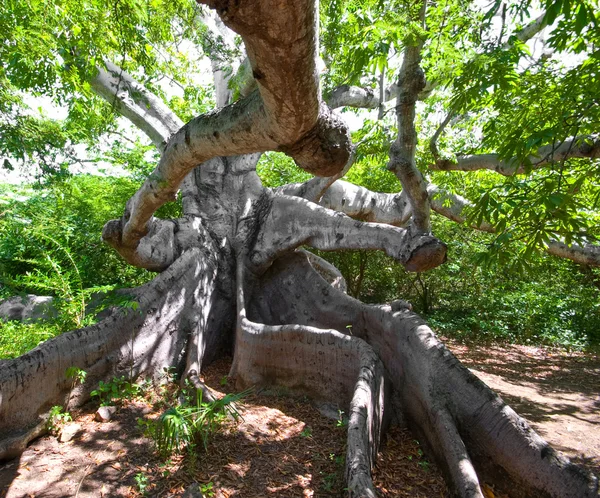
[(581, 19)]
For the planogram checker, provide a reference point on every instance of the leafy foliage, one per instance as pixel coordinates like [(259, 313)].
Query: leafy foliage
[(50, 245), (50, 238), (117, 389), (17, 338), (57, 417), (276, 169), (182, 426)]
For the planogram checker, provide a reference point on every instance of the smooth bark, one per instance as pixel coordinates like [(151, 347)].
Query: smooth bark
[(231, 274), (578, 147)]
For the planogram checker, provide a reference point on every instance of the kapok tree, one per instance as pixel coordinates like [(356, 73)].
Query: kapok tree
[(233, 274)]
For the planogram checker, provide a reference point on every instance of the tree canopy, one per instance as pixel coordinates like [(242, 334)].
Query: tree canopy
[(506, 120)]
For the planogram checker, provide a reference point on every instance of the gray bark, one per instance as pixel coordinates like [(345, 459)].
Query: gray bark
[(578, 147), (411, 82), (231, 274)]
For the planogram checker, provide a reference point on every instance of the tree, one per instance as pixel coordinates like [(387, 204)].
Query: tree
[(231, 269)]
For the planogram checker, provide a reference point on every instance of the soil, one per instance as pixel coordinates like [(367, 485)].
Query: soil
[(558, 392), (283, 447)]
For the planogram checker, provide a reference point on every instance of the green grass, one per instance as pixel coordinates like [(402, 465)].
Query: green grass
[(17, 338)]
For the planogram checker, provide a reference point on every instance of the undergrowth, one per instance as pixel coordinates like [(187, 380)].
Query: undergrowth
[(190, 422)]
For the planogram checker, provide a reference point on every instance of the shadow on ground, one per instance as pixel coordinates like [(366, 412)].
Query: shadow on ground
[(556, 391)]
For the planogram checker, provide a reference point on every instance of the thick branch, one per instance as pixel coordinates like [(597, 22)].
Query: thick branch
[(411, 82), (292, 222), (586, 254), (363, 204), (136, 103), (578, 147), (357, 202), (162, 245), (149, 113)]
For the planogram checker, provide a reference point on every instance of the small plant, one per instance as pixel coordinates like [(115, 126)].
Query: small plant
[(77, 374), (342, 420), (207, 489), (306, 432), (224, 380), (178, 428), (116, 389), (57, 417), (141, 482)]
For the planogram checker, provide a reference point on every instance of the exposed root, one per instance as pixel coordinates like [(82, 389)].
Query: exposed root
[(322, 364), (15, 444), (132, 343), (505, 451), (453, 452), (365, 425)]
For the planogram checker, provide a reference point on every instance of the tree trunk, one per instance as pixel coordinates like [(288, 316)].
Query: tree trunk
[(292, 330), (240, 280), (232, 274)]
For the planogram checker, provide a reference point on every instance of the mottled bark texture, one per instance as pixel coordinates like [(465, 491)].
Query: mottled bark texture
[(411, 82), (233, 276), (583, 147)]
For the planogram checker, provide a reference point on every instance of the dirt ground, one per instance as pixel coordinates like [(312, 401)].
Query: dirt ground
[(285, 448), (556, 391)]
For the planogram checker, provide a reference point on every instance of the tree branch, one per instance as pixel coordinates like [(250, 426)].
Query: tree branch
[(285, 114), (357, 202), (578, 147), (527, 33), (411, 81), (149, 113), (586, 254), (136, 103), (452, 206), (353, 96), (293, 222)]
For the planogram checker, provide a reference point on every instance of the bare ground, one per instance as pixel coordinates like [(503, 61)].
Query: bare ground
[(285, 448)]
